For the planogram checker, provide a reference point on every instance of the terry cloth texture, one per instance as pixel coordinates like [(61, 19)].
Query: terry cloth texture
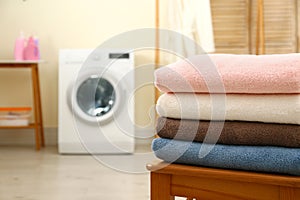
[(233, 132), (252, 158), (277, 73), (261, 108)]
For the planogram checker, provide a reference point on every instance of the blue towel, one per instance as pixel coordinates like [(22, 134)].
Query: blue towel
[(270, 159)]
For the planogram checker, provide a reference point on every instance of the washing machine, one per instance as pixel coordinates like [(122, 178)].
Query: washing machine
[(96, 104)]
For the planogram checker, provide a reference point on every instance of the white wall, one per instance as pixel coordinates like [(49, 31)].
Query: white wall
[(67, 24)]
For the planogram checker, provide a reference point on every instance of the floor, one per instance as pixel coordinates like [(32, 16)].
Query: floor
[(26, 174)]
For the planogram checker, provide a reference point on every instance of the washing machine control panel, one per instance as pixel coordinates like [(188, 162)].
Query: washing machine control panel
[(119, 55)]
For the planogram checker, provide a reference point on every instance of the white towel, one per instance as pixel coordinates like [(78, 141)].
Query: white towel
[(261, 108)]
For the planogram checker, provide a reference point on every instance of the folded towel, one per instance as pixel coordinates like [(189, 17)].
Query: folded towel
[(252, 158), (233, 132), (239, 73), (262, 108)]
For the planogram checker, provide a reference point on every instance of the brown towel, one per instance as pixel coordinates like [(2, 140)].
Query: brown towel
[(234, 132)]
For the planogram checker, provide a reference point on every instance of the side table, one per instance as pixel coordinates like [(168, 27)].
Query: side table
[(37, 106)]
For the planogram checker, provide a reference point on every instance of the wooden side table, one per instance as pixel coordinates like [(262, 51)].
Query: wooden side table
[(37, 106), (193, 182)]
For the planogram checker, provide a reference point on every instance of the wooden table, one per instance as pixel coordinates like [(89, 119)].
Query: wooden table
[(37, 106), (169, 180)]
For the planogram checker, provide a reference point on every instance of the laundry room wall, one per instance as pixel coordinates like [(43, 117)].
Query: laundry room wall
[(68, 24)]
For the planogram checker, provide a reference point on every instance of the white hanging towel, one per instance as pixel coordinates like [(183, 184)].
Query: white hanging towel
[(191, 18)]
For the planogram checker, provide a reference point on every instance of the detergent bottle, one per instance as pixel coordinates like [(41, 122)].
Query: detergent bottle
[(31, 51), (19, 47)]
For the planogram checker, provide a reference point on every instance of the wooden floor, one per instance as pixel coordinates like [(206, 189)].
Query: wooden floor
[(26, 174)]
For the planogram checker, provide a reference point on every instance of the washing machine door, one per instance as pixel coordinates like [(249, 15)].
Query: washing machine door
[(95, 98)]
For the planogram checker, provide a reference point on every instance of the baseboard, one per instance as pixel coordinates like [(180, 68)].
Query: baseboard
[(27, 137)]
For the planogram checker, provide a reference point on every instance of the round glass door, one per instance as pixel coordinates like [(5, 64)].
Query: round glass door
[(96, 96)]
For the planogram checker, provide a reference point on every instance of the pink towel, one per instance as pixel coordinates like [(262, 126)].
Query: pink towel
[(263, 74)]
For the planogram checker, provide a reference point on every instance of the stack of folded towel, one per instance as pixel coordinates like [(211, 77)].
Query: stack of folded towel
[(260, 122)]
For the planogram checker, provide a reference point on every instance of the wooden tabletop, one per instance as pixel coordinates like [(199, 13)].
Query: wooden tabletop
[(21, 61), (228, 174)]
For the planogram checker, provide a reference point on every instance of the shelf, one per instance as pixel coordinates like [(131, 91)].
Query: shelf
[(18, 127)]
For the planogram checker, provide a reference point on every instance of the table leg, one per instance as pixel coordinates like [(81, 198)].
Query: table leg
[(35, 105), (39, 106), (161, 187)]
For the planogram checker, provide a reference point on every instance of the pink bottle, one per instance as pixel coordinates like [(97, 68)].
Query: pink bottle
[(31, 51), (19, 47)]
